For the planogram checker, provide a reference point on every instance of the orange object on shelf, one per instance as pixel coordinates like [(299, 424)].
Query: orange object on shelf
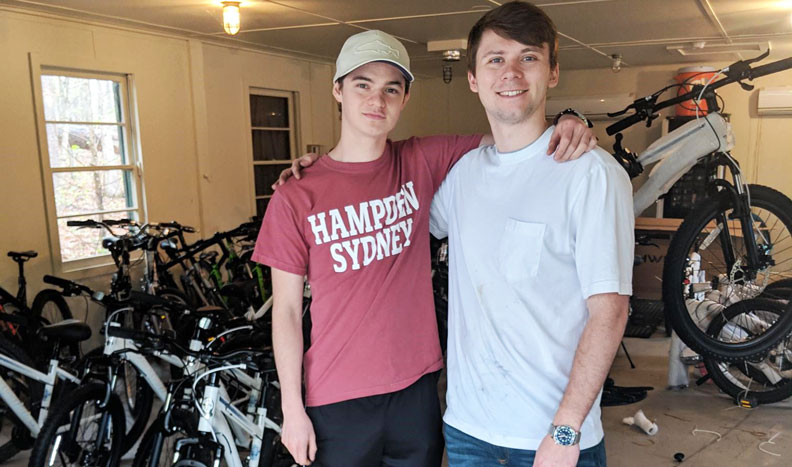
[(690, 76)]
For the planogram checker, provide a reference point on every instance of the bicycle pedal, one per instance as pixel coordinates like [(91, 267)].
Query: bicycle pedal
[(747, 402)]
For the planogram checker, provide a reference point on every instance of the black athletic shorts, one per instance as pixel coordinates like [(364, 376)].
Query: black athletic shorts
[(402, 428)]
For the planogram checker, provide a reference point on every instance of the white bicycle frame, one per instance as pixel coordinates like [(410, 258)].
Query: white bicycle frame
[(17, 406), (687, 144), (229, 426), (242, 430)]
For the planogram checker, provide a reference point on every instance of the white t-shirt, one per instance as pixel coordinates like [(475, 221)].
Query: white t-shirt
[(529, 240)]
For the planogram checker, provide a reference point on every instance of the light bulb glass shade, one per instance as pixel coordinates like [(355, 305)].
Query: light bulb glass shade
[(231, 17)]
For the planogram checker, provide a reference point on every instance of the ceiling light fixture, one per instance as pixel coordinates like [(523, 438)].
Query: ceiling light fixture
[(616, 66), (452, 52), (450, 56), (231, 18)]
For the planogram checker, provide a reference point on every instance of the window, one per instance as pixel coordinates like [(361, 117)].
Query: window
[(90, 169), (274, 140)]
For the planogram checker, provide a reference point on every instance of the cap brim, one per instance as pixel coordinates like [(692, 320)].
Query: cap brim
[(407, 75)]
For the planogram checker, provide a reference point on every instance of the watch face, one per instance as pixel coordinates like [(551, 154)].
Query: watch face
[(564, 435)]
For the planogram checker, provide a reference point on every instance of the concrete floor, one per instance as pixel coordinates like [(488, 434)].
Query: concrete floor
[(677, 414)]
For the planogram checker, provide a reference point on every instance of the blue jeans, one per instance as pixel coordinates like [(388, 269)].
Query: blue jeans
[(467, 451)]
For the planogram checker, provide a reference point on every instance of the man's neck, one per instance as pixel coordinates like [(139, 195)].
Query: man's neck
[(353, 147), (512, 137)]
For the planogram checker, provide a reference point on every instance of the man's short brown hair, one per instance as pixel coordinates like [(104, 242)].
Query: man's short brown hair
[(520, 21)]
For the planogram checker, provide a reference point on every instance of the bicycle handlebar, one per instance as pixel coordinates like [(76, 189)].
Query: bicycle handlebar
[(625, 123), (176, 226), (260, 358), (66, 284), (646, 107)]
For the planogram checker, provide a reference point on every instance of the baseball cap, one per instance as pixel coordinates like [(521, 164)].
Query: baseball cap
[(372, 46)]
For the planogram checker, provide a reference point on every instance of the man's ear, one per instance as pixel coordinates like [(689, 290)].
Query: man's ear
[(554, 73), (337, 91), (472, 82)]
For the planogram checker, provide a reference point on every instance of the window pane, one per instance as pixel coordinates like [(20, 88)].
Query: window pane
[(76, 243), (80, 99), (73, 145), (271, 145), (269, 111), (92, 191), (261, 206), (265, 176)]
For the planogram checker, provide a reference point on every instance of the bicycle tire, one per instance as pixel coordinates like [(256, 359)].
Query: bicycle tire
[(56, 430), (60, 310), (50, 306), (28, 390), (696, 235), (753, 379), (137, 410)]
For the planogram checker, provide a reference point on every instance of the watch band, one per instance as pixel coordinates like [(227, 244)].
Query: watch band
[(571, 111)]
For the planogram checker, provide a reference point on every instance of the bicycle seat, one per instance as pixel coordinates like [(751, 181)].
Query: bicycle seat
[(68, 331), (22, 256)]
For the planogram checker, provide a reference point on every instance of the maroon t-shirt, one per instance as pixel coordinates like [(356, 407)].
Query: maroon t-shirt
[(360, 231)]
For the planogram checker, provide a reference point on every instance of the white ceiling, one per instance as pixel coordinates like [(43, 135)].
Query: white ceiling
[(591, 30)]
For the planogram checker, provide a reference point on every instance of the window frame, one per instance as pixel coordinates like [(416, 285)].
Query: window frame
[(292, 101), (128, 127)]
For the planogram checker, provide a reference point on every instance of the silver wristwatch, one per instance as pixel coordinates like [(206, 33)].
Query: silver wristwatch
[(564, 435)]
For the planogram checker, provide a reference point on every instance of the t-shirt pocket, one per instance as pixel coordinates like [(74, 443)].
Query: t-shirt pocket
[(521, 249)]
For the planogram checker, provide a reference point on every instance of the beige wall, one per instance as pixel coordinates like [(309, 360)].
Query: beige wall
[(191, 105), (225, 179), (437, 108)]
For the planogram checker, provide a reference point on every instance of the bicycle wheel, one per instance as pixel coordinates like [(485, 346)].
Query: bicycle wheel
[(51, 307), (167, 437), (768, 380), (707, 260), (28, 391), (136, 396), (81, 430)]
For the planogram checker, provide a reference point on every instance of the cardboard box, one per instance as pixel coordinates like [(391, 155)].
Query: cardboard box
[(648, 276)]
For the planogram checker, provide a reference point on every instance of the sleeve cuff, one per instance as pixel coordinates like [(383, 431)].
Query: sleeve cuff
[(274, 263), (621, 288)]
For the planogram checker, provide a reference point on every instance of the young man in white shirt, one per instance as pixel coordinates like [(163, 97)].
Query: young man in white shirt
[(540, 266)]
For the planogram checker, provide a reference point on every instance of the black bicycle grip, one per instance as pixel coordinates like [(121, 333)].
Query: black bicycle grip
[(771, 68), (177, 226), (625, 123), (118, 221), (63, 283), (88, 223)]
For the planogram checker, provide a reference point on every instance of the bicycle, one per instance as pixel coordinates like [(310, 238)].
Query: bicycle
[(733, 241), (210, 428), (19, 322), (28, 394)]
